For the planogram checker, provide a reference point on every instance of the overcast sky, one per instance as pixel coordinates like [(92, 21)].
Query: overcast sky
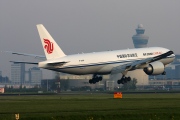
[(85, 25)]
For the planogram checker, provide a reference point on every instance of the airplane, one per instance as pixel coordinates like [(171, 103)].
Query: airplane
[(152, 60)]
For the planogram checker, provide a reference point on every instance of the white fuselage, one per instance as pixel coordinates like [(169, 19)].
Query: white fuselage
[(103, 62)]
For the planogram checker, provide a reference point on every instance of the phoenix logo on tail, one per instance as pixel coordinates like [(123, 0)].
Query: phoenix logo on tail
[(49, 46)]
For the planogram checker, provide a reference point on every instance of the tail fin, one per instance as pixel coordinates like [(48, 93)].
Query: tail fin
[(51, 48)]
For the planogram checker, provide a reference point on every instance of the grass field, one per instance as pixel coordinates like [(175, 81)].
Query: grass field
[(96, 106)]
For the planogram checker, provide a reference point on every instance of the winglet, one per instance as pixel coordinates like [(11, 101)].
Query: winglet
[(51, 48)]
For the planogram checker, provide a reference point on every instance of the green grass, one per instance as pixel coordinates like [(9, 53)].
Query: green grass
[(92, 107)]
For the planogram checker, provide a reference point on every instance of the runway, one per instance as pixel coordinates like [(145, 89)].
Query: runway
[(85, 93)]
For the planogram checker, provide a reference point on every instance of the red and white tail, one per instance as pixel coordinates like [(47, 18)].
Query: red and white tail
[(51, 48)]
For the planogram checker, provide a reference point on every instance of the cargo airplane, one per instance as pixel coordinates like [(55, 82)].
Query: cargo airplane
[(152, 60)]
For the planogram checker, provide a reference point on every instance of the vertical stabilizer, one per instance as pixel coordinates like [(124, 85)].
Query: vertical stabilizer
[(51, 48)]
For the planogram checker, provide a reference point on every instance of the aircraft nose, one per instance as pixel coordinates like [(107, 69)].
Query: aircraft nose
[(170, 53), (171, 56)]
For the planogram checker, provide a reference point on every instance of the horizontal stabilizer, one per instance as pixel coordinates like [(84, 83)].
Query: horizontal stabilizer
[(25, 54), (24, 62)]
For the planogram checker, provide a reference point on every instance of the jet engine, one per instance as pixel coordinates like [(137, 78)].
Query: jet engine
[(154, 68)]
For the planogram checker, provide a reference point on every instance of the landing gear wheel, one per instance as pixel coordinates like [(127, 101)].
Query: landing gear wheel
[(124, 80), (128, 78), (95, 79), (119, 82), (100, 78), (90, 81)]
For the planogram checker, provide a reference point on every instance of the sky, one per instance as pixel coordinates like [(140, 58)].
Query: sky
[(85, 26)]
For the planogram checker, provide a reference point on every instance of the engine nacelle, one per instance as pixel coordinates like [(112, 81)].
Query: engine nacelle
[(154, 68)]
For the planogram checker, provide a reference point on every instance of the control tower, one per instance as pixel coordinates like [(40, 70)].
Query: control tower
[(140, 40)]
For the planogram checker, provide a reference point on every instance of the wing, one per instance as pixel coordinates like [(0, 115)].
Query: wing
[(136, 64), (25, 54)]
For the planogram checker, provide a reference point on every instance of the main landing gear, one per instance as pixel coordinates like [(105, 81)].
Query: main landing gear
[(95, 79), (124, 80)]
